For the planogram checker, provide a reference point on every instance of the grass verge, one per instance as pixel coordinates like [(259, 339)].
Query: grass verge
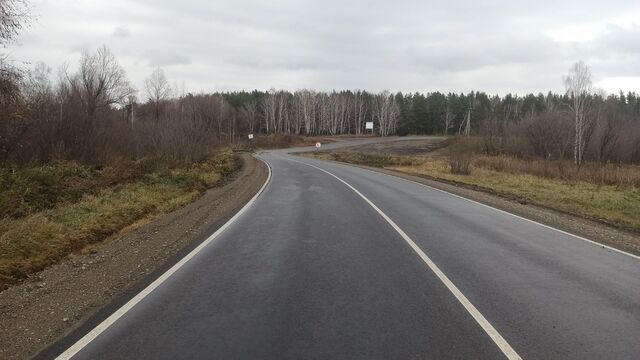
[(617, 205), (56, 218)]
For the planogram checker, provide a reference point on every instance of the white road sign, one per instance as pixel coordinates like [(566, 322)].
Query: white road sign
[(250, 136), (318, 145), (368, 125)]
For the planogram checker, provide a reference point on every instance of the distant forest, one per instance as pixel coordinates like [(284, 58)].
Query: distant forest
[(94, 115)]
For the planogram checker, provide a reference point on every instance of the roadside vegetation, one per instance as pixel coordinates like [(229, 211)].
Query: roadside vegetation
[(53, 210), (608, 193), (611, 199)]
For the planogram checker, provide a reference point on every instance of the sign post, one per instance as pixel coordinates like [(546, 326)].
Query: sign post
[(369, 126), (318, 145)]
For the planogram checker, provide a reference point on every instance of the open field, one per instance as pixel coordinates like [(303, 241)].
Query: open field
[(610, 194), (51, 211)]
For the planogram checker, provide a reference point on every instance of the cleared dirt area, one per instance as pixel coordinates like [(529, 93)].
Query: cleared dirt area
[(430, 146), (59, 299)]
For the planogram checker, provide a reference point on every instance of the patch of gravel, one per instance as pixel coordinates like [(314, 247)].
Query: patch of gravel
[(620, 239), (56, 301)]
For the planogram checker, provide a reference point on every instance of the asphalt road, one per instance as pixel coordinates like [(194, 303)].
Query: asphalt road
[(337, 262)]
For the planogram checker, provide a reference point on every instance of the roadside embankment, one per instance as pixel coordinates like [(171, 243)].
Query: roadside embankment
[(50, 303), (53, 210)]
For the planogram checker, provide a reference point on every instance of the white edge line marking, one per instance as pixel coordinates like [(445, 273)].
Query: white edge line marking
[(598, 244), (90, 336), (507, 350)]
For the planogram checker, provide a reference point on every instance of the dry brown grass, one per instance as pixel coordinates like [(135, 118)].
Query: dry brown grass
[(595, 173), (460, 163), (363, 159), (618, 205), (613, 198), (41, 236)]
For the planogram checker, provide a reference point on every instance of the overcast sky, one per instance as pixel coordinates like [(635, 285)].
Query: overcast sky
[(494, 46)]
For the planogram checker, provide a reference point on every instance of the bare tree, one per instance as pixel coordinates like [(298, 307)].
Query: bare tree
[(465, 126), (607, 135), (386, 112), (548, 132), (359, 109), (10, 78), (100, 81), (249, 113), (306, 100), (578, 85), (37, 87), (158, 90), (448, 118), (269, 107), (13, 18)]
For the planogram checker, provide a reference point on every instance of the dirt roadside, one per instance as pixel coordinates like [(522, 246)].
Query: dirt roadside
[(592, 230), (58, 300), (425, 146)]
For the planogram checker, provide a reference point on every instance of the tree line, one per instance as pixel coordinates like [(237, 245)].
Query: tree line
[(93, 114)]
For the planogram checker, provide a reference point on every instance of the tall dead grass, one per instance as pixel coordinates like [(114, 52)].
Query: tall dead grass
[(460, 163), (461, 153), (595, 173)]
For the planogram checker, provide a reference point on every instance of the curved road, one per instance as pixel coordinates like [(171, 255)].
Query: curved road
[(337, 262)]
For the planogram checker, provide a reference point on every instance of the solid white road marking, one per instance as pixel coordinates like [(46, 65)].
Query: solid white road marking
[(496, 209), (504, 346), (80, 344)]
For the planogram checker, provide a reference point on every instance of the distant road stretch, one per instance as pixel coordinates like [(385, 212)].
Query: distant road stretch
[(336, 262)]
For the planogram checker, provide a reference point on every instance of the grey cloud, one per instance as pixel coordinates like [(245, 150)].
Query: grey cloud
[(166, 57), (410, 45), (121, 32)]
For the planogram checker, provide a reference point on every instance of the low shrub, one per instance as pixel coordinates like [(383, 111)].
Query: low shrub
[(24, 190), (460, 163)]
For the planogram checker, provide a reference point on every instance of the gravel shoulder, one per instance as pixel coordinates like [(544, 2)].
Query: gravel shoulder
[(617, 238), (75, 295)]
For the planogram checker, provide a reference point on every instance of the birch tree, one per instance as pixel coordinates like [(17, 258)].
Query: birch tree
[(307, 100), (359, 111), (269, 108), (386, 112), (448, 118), (579, 86)]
